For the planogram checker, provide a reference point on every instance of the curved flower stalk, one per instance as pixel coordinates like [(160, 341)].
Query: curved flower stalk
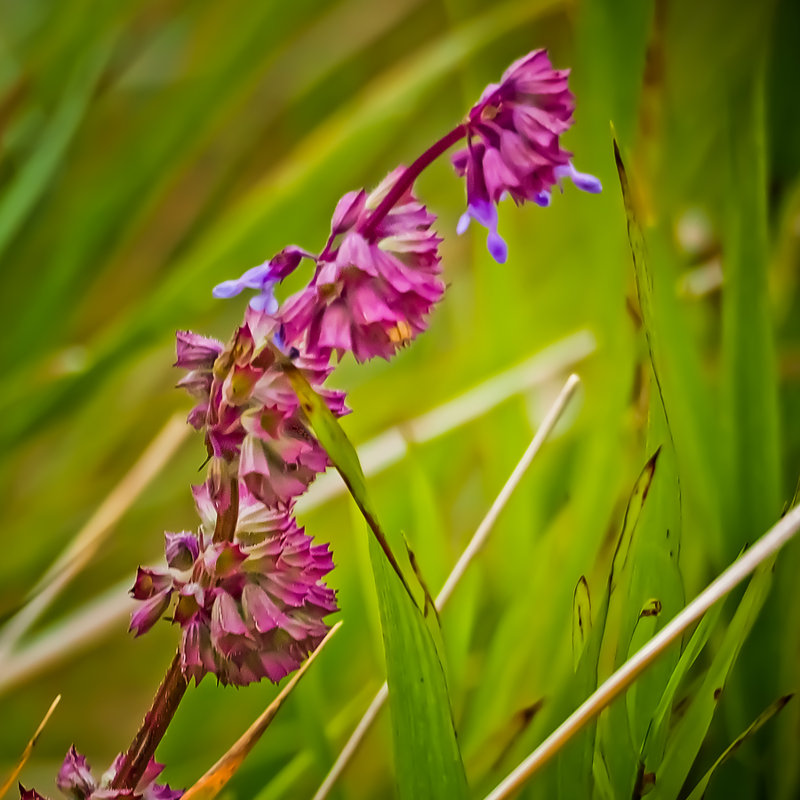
[(248, 609), (247, 588)]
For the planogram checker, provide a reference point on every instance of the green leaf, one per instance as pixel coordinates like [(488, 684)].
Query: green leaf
[(690, 730), (576, 760), (656, 737), (765, 716), (427, 757)]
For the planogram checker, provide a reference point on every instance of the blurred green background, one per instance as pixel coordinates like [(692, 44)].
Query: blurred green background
[(152, 149)]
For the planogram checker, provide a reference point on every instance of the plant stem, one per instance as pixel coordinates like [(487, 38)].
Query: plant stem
[(156, 721), (226, 522), (410, 175), (173, 686)]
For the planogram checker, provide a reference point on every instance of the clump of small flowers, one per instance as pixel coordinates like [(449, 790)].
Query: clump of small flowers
[(249, 608), (376, 281), (513, 144), (246, 589), (76, 782)]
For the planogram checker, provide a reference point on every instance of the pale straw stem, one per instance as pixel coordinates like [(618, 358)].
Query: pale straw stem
[(90, 623), (87, 541), (765, 547), (475, 544)]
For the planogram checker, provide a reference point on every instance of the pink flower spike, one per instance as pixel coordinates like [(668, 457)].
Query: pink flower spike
[(247, 605), (373, 293), (75, 776), (513, 144)]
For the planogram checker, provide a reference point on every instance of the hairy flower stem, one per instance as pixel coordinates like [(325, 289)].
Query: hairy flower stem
[(156, 721), (172, 688), (226, 522), (410, 175)]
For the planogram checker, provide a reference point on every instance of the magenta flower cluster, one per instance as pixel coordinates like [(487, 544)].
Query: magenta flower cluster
[(247, 589), (249, 608), (75, 780), (513, 144)]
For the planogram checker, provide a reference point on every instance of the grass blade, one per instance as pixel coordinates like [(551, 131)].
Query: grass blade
[(687, 735), (26, 753), (575, 762), (215, 780), (427, 758), (765, 716), (763, 549)]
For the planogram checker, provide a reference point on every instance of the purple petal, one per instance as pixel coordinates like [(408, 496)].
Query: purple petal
[(485, 213), (227, 289), (497, 247), (581, 180), (265, 301), (150, 612), (181, 549), (75, 777)]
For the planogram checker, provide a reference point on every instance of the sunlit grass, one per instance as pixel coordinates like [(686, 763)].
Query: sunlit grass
[(152, 149)]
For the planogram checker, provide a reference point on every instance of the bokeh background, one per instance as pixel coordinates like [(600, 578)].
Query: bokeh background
[(152, 149)]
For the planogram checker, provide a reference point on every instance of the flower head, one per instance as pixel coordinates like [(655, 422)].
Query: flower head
[(374, 285), (250, 608), (253, 422), (76, 781), (513, 143)]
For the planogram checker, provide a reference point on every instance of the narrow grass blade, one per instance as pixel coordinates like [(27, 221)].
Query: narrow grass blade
[(215, 780), (688, 733), (575, 762), (427, 758), (699, 791), (656, 738), (26, 753), (581, 619), (471, 551), (345, 459), (763, 549)]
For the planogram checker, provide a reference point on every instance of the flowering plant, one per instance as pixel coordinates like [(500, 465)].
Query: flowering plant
[(247, 588)]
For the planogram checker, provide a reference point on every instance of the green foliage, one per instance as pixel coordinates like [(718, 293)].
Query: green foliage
[(151, 149), (427, 759)]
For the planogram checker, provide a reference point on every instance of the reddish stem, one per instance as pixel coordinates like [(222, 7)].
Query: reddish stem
[(226, 522), (156, 721), (410, 175), (172, 688)]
